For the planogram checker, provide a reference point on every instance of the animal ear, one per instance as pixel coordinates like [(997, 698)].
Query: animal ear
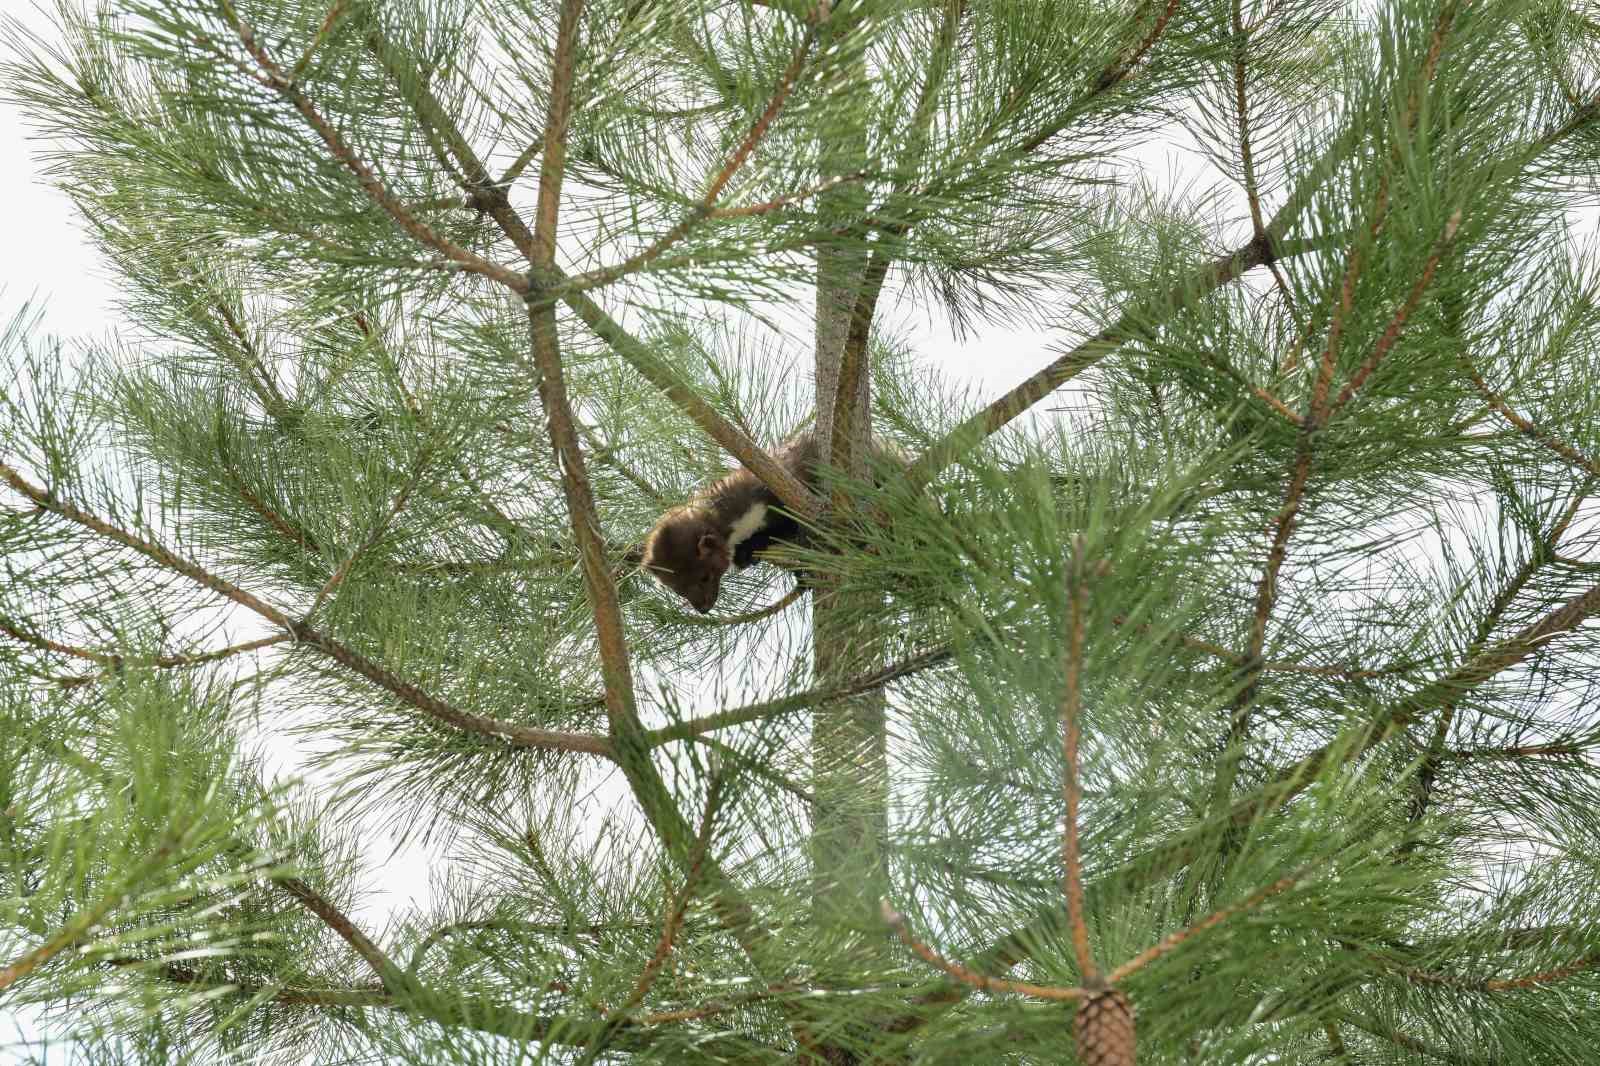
[(713, 548)]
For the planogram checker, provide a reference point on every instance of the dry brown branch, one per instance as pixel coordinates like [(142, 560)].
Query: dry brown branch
[(972, 978), (771, 708), (1071, 860), (514, 734), (1173, 941)]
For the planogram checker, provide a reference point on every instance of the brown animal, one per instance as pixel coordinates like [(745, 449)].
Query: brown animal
[(726, 523)]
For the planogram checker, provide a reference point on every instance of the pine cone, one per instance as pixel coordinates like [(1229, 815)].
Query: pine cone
[(1104, 1030)]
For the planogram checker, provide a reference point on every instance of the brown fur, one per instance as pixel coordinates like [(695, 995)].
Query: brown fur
[(692, 546)]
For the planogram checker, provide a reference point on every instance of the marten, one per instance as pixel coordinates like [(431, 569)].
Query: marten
[(726, 523)]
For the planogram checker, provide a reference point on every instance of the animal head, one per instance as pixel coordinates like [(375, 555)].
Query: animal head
[(687, 554)]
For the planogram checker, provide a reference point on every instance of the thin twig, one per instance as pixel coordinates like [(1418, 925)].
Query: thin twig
[(1397, 322), (273, 77), (1527, 427), (705, 207), (669, 928), (972, 978), (382, 967), (772, 708), (1173, 941), (1000, 412), (1115, 73), (1241, 41), (746, 617), (337, 577), (165, 662)]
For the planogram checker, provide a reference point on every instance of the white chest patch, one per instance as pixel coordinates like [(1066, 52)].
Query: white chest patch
[(747, 524)]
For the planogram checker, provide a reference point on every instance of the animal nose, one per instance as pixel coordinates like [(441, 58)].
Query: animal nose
[(703, 608)]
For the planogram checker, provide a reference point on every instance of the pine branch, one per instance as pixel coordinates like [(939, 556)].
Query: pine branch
[(1529, 429), (519, 736), (627, 735), (271, 76), (1109, 78), (382, 967), (745, 618), (705, 209), (972, 978), (674, 918), (80, 925), (1163, 859), (1071, 860), (1397, 323), (755, 712), (164, 662), (1540, 557), (1173, 941), (1130, 323), (1241, 43), (285, 996), (553, 283), (853, 356), (1411, 1043)]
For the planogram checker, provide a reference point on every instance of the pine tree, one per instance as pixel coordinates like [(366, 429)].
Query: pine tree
[(1233, 701)]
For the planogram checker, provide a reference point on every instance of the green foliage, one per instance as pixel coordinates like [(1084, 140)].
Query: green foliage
[(1288, 593)]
